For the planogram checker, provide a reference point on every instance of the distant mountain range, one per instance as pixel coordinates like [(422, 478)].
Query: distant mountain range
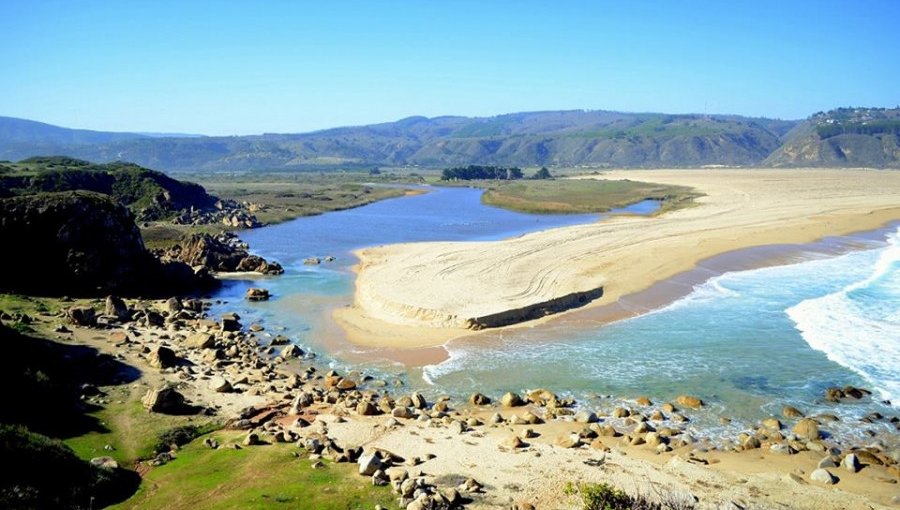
[(842, 137)]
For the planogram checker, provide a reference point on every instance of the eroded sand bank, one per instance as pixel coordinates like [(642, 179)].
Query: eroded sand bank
[(426, 293)]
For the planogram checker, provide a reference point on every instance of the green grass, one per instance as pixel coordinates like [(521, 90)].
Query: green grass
[(258, 477), (581, 196)]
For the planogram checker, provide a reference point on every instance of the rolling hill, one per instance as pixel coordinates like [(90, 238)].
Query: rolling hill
[(552, 138)]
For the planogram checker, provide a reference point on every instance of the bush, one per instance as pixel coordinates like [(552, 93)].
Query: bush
[(605, 497), (178, 436)]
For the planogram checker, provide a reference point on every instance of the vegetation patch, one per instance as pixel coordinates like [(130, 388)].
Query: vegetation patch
[(259, 477), (605, 497), (579, 196)]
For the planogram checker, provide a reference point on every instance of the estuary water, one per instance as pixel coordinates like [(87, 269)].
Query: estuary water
[(747, 342)]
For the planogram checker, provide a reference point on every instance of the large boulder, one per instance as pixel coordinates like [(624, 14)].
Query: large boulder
[(222, 253), (162, 357), (256, 294), (807, 428), (510, 399), (164, 400), (689, 401), (116, 307)]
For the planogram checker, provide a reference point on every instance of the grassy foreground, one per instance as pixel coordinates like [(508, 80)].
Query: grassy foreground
[(266, 476), (581, 196)]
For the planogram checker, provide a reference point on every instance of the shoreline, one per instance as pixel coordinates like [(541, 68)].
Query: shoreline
[(294, 398), (446, 274)]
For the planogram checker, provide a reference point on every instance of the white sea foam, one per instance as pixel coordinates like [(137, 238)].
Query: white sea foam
[(859, 325)]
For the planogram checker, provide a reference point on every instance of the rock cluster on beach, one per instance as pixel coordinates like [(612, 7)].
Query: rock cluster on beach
[(222, 253), (226, 212), (275, 392)]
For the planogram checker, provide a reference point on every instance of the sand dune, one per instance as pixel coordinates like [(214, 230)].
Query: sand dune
[(425, 293)]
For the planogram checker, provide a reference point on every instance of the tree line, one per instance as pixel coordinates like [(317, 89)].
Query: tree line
[(475, 172)]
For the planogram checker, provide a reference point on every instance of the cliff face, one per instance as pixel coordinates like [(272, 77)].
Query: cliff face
[(82, 243)]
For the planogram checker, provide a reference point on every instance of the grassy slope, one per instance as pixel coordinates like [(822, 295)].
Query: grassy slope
[(580, 196), (267, 476), (258, 477)]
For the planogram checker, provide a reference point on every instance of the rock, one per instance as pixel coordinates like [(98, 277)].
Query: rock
[(584, 416), (161, 357), (598, 444), (807, 427), (607, 431), (291, 351), (220, 385), (200, 341), (417, 400), (116, 307), (620, 412), (851, 463), (689, 401), (782, 449), (105, 463), (513, 443), (771, 424), (173, 305), (824, 476), (380, 478), (751, 443), (82, 316), (457, 427), (230, 322), (257, 294), (569, 441), (510, 399), (163, 400), (643, 401), (495, 419), (211, 443), (312, 261), (827, 462), (366, 408), (477, 399), (251, 439), (345, 385), (402, 412), (791, 412), (370, 462), (856, 393)]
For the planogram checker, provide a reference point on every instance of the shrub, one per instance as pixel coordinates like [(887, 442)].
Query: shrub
[(178, 436), (605, 497)]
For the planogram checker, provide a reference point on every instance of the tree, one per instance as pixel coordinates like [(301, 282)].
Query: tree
[(543, 173)]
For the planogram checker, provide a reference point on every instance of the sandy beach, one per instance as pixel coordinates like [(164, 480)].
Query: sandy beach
[(423, 294)]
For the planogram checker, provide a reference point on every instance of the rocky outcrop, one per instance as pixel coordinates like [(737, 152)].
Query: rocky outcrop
[(221, 253), (535, 311), (82, 243)]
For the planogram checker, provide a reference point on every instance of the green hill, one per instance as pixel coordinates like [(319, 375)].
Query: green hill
[(150, 194), (845, 137), (564, 138)]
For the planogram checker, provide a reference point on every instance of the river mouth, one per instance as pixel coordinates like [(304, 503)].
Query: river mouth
[(600, 355)]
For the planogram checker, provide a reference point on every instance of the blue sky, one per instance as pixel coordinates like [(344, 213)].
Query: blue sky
[(230, 67)]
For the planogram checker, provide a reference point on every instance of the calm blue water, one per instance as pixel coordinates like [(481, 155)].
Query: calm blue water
[(747, 342)]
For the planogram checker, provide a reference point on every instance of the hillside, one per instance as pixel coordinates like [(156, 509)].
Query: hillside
[(560, 138), (151, 194), (845, 137)]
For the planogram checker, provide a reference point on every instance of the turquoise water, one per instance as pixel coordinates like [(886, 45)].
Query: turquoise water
[(747, 342)]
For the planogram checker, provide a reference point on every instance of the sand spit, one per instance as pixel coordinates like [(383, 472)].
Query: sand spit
[(450, 288)]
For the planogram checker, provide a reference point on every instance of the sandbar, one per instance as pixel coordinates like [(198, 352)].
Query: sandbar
[(424, 294)]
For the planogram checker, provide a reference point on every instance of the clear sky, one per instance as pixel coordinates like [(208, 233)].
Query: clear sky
[(242, 67)]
